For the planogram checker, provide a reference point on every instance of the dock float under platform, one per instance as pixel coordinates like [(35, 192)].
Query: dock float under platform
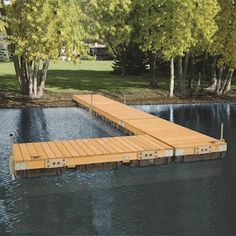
[(150, 141)]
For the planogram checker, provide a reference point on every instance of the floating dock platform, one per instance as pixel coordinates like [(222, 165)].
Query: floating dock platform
[(150, 141)]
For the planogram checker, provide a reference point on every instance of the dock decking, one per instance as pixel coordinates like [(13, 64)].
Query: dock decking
[(154, 141), (183, 140)]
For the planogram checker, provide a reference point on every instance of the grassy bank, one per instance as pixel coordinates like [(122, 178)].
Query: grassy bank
[(65, 79), (87, 76)]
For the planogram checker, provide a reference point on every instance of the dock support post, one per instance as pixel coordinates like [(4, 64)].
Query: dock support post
[(91, 105), (11, 162), (222, 131)]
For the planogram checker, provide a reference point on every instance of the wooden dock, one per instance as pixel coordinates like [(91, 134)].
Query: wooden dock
[(151, 141)]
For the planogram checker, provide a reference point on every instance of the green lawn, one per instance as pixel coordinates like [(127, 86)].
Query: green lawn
[(86, 76)]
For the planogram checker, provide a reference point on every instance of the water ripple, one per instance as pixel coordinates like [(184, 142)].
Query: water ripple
[(184, 199)]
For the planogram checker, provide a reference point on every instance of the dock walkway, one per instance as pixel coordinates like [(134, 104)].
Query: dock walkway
[(151, 141)]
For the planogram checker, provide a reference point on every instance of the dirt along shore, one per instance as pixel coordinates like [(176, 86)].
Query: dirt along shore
[(148, 96)]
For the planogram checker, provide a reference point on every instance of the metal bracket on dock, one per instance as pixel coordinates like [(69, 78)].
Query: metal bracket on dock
[(55, 163), (202, 149), (146, 155)]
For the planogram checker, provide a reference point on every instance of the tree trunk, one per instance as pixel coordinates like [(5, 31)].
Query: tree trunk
[(228, 83), (223, 84), (27, 74), (20, 78), (192, 74), (42, 78), (172, 77), (35, 79), (122, 62), (219, 81), (213, 84), (203, 79), (180, 76), (204, 67), (152, 62), (186, 61), (199, 82)]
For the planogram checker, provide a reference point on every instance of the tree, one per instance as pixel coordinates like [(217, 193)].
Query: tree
[(37, 31), (171, 28), (112, 24), (135, 61), (201, 21), (164, 30), (146, 18), (224, 47)]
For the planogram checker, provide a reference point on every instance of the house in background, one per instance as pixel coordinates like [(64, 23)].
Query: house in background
[(101, 52)]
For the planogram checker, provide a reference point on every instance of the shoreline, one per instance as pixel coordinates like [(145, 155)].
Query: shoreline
[(149, 97)]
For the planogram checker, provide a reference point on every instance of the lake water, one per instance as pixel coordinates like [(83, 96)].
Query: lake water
[(177, 199)]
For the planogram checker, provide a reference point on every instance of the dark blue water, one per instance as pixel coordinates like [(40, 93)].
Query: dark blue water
[(177, 199)]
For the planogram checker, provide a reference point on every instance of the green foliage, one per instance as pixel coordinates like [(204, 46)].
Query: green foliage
[(39, 29), (2, 24), (112, 23), (224, 43), (173, 27)]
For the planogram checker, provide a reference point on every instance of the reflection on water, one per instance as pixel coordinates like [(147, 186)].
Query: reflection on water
[(185, 199), (32, 126)]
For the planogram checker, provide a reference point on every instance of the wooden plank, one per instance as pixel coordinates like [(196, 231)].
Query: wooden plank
[(90, 144), (79, 150), (32, 151), (48, 150), (125, 144), (55, 150), (40, 150), (118, 144), (24, 151), (101, 159), (135, 145), (114, 146), (17, 153), (142, 143), (155, 143), (100, 146), (70, 148), (62, 149), (107, 146), (88, 151)]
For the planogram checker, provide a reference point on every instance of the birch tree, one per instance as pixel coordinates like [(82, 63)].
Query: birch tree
[(224, 47), (165, 30), (171, 28), (37, 31)]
